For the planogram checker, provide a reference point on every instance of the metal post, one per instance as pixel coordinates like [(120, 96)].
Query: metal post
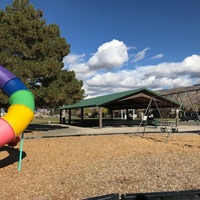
[(21, 151)]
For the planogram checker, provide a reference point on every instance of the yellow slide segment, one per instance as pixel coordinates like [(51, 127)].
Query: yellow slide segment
[(19, 117)]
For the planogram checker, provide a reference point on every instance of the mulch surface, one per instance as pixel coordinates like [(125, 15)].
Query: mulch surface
[(71, 168)]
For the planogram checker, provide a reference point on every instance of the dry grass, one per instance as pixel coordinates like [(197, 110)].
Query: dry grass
[(73, 168)]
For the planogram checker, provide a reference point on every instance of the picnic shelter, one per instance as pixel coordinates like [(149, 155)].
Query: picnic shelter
[(142, 98)]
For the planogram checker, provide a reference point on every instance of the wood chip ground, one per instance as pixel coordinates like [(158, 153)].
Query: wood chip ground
[(73, 168)]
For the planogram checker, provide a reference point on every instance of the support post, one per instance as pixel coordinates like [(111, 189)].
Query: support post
[(82, 116), (60, 116), (100, 118), (21, 151), (111, 114), (127, 117), (70, 117)]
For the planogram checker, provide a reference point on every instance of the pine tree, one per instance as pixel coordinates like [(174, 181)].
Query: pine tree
[(34, 51)]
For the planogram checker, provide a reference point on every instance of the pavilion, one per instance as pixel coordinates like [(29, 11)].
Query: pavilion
[(133, 99)]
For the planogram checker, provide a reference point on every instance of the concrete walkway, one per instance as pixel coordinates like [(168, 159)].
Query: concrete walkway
[(57, 130)]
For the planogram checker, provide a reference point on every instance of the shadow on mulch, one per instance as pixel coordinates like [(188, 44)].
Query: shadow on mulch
[(12, 157), (43, 127)]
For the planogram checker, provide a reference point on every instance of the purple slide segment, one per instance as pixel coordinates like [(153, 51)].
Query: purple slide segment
[(5, 76)]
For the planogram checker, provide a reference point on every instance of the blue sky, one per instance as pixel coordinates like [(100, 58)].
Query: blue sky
[(119, 45)]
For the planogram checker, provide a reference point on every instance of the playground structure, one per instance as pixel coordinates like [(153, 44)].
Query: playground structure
[(21, 110), (171, 195), (171, 126)]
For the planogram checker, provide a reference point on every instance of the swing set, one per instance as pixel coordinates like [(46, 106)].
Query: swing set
[(166, 125)]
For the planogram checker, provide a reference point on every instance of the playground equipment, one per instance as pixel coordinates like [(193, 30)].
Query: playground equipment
[(21, 110), (169, 195), (166, 126)]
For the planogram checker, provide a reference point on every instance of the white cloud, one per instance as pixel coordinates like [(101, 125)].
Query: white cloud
[(77, 63), (162, 75), (73, 58), (111, 54), (188, 67), (140, 55), (157, 56)]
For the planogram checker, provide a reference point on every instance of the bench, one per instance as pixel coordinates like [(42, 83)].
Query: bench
[(130, 123)]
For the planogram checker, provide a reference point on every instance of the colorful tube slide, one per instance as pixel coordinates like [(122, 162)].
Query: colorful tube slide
[(21, 110)]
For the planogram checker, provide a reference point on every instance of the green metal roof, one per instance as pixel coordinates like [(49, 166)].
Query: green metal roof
[(120, 100)]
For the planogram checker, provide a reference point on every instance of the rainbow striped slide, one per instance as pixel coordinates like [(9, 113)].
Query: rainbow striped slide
[(21, 110)]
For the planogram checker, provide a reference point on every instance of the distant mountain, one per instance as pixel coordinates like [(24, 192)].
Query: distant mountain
[(179, 90), (189, 96)]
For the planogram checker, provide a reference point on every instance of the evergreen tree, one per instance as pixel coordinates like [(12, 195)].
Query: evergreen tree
[(34, 51)]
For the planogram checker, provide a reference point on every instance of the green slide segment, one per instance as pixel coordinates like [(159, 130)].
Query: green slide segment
[(23, 97)]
